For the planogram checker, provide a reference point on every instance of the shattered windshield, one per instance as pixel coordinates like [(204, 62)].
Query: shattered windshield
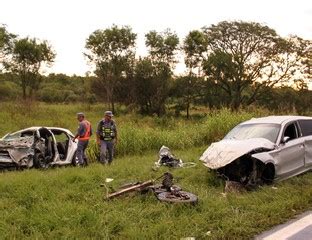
[(258, 130), (19, 135), (12, 136)]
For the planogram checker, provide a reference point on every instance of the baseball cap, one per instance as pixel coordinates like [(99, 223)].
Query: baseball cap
[(109, 113)]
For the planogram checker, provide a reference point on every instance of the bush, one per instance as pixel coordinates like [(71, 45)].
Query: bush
[(8, 90)]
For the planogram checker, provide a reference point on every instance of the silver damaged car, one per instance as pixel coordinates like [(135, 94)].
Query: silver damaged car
[(38, 147), (263, 150)]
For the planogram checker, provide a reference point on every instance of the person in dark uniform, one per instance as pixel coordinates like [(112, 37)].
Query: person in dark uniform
[(107, 137)]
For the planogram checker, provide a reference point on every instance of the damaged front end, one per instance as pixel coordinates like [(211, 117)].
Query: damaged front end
[(17, 153), (248, 171), (236, 161)]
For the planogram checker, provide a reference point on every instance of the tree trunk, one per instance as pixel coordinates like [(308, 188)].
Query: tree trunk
[(24, 86), (113, 105), (236, 101), (187, 109), (24, 92)]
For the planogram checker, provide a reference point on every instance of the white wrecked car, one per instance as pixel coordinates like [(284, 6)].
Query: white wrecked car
[(38, 147), (262, 150)]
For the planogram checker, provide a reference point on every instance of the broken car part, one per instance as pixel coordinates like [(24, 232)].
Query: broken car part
[(166, 191), (166, 158)]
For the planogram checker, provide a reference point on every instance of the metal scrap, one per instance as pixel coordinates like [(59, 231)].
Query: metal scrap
[(166, 158), (166, 191)]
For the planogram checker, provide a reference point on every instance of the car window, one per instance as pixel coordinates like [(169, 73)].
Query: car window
[(60, 136), (291, 131), (257, 130), (306, 127), (27, 134)]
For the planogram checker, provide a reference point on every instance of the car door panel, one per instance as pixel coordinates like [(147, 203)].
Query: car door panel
[(290, 157), (308, 152)]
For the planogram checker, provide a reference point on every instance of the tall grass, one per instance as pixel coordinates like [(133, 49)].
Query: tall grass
[(137, 134), (67, 203), (177, 134)]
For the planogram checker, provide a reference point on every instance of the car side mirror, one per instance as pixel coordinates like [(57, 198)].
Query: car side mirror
[(285, 139)]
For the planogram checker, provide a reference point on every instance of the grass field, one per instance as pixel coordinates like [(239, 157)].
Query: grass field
[(68, 203), (137, 134), (64, 203)]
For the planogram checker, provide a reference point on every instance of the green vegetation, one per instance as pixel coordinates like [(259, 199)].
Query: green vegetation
[(233, 64), (137, 134), (68, 202)]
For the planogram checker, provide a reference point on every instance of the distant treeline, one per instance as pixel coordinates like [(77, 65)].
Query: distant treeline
[(60, 88), (232, 64)]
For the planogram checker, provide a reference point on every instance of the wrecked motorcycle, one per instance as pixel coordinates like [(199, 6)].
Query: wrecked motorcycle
[(166, 191)]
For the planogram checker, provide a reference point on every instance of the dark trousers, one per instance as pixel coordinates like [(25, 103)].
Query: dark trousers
[(107, 151), (81, 156)]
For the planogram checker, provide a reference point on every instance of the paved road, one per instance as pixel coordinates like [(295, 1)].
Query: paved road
[(296, 229)]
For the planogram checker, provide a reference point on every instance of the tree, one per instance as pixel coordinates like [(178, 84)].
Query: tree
[(144, 85), (188, 88), (111, 50), (244, 57), (28, 58), (6, 45), (162, 49), (194, 47), (162, 46)]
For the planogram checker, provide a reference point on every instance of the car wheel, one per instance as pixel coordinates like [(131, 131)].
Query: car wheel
[(181, 197), (74, 161), (39, 161), (268, 174)]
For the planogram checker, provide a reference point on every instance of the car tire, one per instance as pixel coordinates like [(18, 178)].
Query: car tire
[(268, 174), (74, 159), (168, 197), (39, 161)]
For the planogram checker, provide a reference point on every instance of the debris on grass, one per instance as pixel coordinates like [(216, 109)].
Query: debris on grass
[(166, 191), (234, 187), (166, 158), (107, 180)]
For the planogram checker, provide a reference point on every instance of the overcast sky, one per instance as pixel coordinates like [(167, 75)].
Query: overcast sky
[(66, 24)]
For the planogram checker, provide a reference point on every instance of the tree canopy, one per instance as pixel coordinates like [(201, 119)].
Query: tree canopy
[(28, 58), (231, 63), (6, 45), (111, 51), (243, 57)]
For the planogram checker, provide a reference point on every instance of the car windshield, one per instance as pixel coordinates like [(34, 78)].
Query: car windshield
[(257, 130), (11, 136), (18, 135)]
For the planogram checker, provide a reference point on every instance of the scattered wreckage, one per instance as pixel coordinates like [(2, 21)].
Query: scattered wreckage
[(166, 191), (263, 150), (166, 158), (38, 147)]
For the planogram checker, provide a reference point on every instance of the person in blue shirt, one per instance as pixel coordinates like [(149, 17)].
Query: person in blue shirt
[(83, 135)]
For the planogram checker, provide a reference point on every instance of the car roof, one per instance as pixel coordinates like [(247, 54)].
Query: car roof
[(50, 128), (276, 119)]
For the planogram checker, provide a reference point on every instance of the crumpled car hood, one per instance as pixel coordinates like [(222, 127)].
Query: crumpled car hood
[(18, 148), (221, 153), (24, 142)]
